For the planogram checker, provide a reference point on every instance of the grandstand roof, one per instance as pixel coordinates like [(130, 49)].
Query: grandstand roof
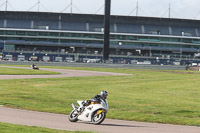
[(97, 18)]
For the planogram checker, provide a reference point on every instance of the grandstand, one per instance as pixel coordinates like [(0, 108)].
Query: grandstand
[(78, 37)]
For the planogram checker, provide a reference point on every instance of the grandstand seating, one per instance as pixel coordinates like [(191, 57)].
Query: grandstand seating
[(96, 27), (129, 28), (74, 26), (155, 29), (183, 31), (50, 25), (1, 23), (17, 23), (80, 22)]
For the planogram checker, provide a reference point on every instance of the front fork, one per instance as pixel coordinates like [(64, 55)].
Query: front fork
[(74, 106)]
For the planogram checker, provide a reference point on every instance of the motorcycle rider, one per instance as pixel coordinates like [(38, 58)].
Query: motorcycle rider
[(33, 66), (97, 98)]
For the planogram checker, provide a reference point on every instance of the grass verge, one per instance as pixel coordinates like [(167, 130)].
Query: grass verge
[(150, 96), (9, 128), (19, 71)]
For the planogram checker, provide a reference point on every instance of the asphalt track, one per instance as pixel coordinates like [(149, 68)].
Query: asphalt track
[(64, 73), (60, 121)]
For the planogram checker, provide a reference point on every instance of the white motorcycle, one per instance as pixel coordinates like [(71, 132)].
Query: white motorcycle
[(95, 112)]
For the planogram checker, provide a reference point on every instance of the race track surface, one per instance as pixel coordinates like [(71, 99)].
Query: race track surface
[(64, 73), (60, 121)]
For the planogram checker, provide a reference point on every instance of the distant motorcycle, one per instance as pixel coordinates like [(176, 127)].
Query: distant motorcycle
[(35, 67), (95, 112)]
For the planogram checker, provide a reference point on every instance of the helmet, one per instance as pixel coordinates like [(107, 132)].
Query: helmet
[(104, 94)]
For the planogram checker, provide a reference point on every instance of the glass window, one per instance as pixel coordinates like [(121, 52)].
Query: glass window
[(65, 34), (196, 41), (121, 37), (132, 37), (42, 39), (56, 34), (75, 41), (10, 33), (87, 35), (186, 40), (43, 33), (175, 39), (98, 36), (94, 42), (165, 39), (20, 32), (53, 40), (153, 38), (111, 36), (1, 32), (75, 35), (114, 42), (32, 33)]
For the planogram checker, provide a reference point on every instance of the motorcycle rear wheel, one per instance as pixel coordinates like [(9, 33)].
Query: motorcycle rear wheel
[(73, 117), (98, 118)]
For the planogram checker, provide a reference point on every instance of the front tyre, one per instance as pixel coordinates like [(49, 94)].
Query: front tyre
[(98, 118), (73, 116)]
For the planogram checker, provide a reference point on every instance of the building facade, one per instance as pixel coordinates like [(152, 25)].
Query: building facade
[(79, 37)]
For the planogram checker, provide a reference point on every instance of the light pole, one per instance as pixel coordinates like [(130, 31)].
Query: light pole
[(106, 31)]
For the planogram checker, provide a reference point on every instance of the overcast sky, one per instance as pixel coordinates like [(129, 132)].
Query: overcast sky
[(188, 9)]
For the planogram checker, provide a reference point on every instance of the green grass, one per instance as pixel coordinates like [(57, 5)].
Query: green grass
[(148, 95), (19, 71), (9, 128)]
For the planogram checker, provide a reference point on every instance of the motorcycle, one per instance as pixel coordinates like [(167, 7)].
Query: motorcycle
[(95, 112), (35, 67)]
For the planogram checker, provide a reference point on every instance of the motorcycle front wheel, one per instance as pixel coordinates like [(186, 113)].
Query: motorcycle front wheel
[(98, 118), (73, 116)]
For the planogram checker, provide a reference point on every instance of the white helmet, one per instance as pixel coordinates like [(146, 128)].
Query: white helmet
[(104, 94)]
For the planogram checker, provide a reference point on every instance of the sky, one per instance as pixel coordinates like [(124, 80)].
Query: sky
[(184, 9)]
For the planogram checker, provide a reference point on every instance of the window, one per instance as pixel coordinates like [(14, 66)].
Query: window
[(75, 35), (43, 33), (53, 34), (53, 40), (185, 40), (131, 37), (21, 33), (10, 33), (65, 34), (100, 36), (29, 33), (121, 37), (1, 32), (87, 35)]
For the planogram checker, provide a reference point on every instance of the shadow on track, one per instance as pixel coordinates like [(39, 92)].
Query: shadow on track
[(111, 125), (120, 125)]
